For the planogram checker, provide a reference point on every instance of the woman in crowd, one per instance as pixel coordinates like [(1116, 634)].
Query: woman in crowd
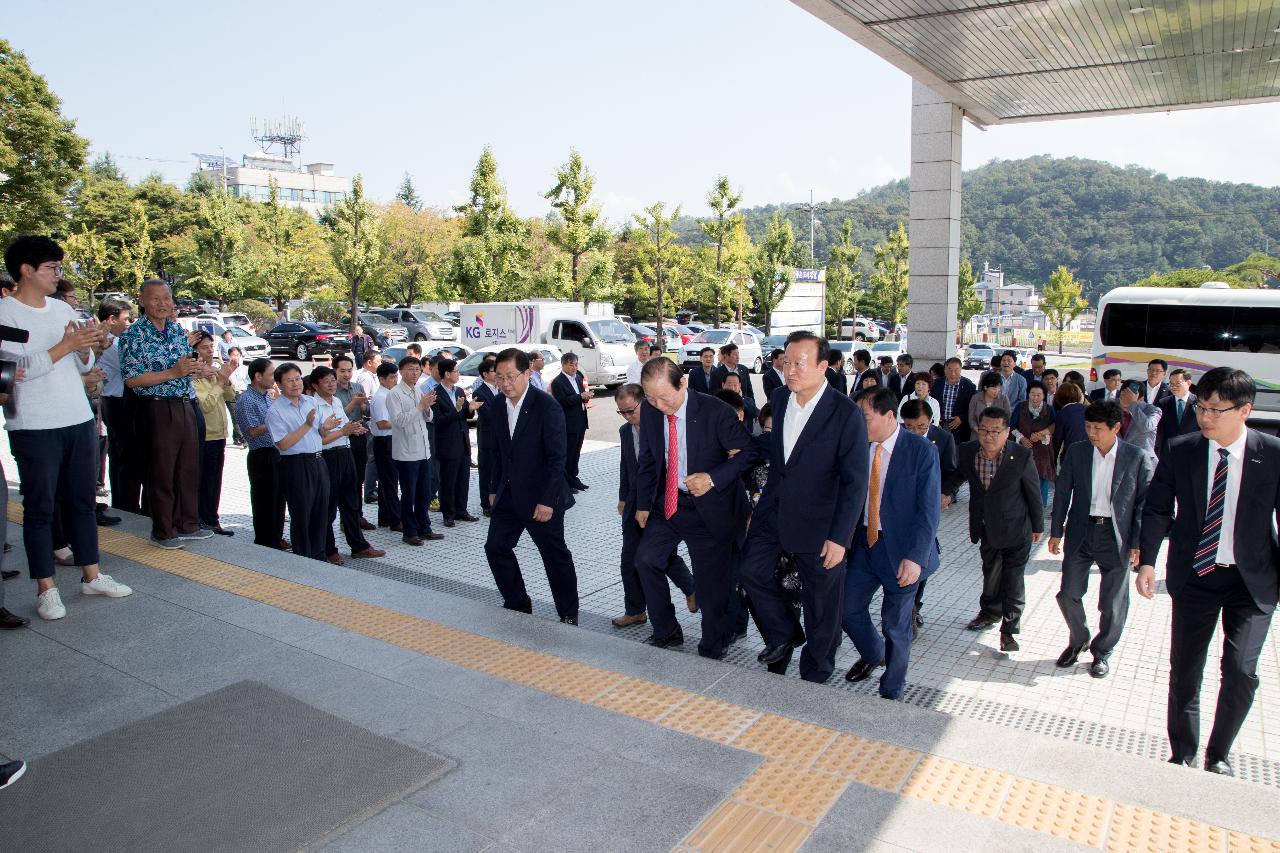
[(921, 384), (1033, 429), (1068, 411), (213, 391), (989, 394)]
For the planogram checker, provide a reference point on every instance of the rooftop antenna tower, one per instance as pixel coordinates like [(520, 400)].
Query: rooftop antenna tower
[(287, 133)]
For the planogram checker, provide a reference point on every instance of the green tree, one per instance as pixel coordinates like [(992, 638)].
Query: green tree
[(1258, 270), (889, 279), (1190, 278), (576, 229), (286, 251), (407, 195), (89, 263), (659, 249), (738, 254), (354, 243), (216, 265), (416, 248), (771, 269), (968, 305), (723, 200), (492, 258), (1062, 301), (40, 152), (135, 263), (844, 278)]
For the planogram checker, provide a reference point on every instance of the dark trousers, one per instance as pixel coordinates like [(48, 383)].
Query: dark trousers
[(455, 486), (483, 441), (305, 483), (434, 483), (360, 458), (870, 570), (415, 495), (573, 453), (1099, 546), (266, 498), (821, 594), (124, 441), (213, 455), (57, 463), (1004, 587), (235, 427), (506, 524), (173, 467), (632, 592), (388, 482), (1196, 610), (711, 574), (344, 498)]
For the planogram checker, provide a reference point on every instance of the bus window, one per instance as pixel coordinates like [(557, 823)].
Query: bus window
[(1124, 325), (1194, 327), (1256, 330)]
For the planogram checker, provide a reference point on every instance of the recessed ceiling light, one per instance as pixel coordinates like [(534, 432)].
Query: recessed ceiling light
[(1270, 61), (1146, 47), (1156, 73), (1137, 10), (1239, 49), (1004, 27)]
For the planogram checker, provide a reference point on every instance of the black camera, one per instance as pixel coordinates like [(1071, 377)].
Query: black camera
[(9, 369)]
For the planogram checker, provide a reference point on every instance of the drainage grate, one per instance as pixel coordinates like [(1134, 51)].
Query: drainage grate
[(1251, 768)]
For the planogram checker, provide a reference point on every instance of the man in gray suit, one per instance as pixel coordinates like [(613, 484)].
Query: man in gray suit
[(1100, 495), (1141, 419)]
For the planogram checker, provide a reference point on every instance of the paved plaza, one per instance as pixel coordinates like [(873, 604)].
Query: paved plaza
[(586, 739)]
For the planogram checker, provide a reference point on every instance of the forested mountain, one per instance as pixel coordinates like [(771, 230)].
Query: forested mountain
[(1109, 225)]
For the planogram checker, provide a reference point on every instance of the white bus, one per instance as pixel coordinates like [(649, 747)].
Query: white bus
[(1196, 329)]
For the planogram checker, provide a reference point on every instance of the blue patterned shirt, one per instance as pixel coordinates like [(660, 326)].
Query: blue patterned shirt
[(251, 411), (146, 349)]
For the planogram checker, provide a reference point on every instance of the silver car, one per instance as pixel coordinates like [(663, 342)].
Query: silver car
[(420, 325)]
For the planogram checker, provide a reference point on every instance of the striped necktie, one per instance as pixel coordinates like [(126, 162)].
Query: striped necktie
[(1207, 553)]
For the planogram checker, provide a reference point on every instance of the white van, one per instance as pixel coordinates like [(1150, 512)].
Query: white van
[(604, 345)]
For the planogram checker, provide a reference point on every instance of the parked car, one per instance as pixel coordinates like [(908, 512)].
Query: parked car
[(251, 345), (454, 317), (893, 349), (650, 334), (229, 318), (846, 349), (772, 343), (302, 340), (686, 334), (859, 329), (187, 307), (383, 331), (977, 356), (420, 325), (749, 350), (457, 352), (469, 367)]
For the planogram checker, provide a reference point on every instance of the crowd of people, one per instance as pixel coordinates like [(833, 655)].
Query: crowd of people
[(794, 512)]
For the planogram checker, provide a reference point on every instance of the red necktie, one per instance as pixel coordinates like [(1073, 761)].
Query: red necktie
[(673, 468)]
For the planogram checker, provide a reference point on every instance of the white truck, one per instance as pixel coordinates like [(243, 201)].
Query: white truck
[(603, 344)]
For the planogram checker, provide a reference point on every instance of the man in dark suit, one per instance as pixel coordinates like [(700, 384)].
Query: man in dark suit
[(689, 488), (528, 492), (729, 356), (570, 391), (1110, 389), (861, 365), (895, 544), (629, 399), (1177, 413), (702, 377), (901, 380), (774, 377), (732, 382), (917, 417), (1006, 515), (1099, 497), (450, 412), (1223, 559), (953, 392), (809, 507), (1156, 388), (836, 377), (486, 391)]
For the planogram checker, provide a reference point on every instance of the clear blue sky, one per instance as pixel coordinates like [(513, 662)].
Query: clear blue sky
[(660, 97)]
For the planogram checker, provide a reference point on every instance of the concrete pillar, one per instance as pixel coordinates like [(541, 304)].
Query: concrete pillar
[(934, 231)]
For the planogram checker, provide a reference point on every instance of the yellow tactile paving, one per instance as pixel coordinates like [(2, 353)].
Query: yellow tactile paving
[(1135, 828), (1056, 811), (785, 739), (710, 718), (735, 826), (807, 766), (879, 765), (964, 787)]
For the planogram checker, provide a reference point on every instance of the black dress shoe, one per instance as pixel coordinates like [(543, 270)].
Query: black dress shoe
[(411, 540), (1008, 643), (467, 518), (222, 531), (861, 670), (449, 522), (9, 575), (366, 524), (579, 485), (105, 520), (432, 537), (737, 635), (675, 638), (980, 623), (1218, 765), (569, 620), (1099, 668), (486, 512), (919, 620), (1070, 655), (397, 528), (10, 621), (774, 654), (797, 640), (1185, 762)]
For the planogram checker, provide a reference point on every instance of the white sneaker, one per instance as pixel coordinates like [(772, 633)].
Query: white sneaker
[(49, 605), (105, 585)]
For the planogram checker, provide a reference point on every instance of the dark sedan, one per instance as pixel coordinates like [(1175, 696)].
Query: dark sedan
[(301, 340)]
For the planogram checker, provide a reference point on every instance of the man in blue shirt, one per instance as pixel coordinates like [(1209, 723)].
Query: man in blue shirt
[(1012, 383), (293, 420), (263, 461)]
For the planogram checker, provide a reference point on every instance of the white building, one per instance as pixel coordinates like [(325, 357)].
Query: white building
[(312, 187), (1000, 298)]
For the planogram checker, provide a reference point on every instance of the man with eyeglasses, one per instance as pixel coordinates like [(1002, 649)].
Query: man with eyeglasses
[(629, 399), (1223, 560), (527, 490)]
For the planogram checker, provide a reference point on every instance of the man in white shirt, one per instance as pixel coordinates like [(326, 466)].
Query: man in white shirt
[(381, 445), (52, 432), (366, 378), (633, 369), (336, 432), (1156, 389), (410, 411)]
